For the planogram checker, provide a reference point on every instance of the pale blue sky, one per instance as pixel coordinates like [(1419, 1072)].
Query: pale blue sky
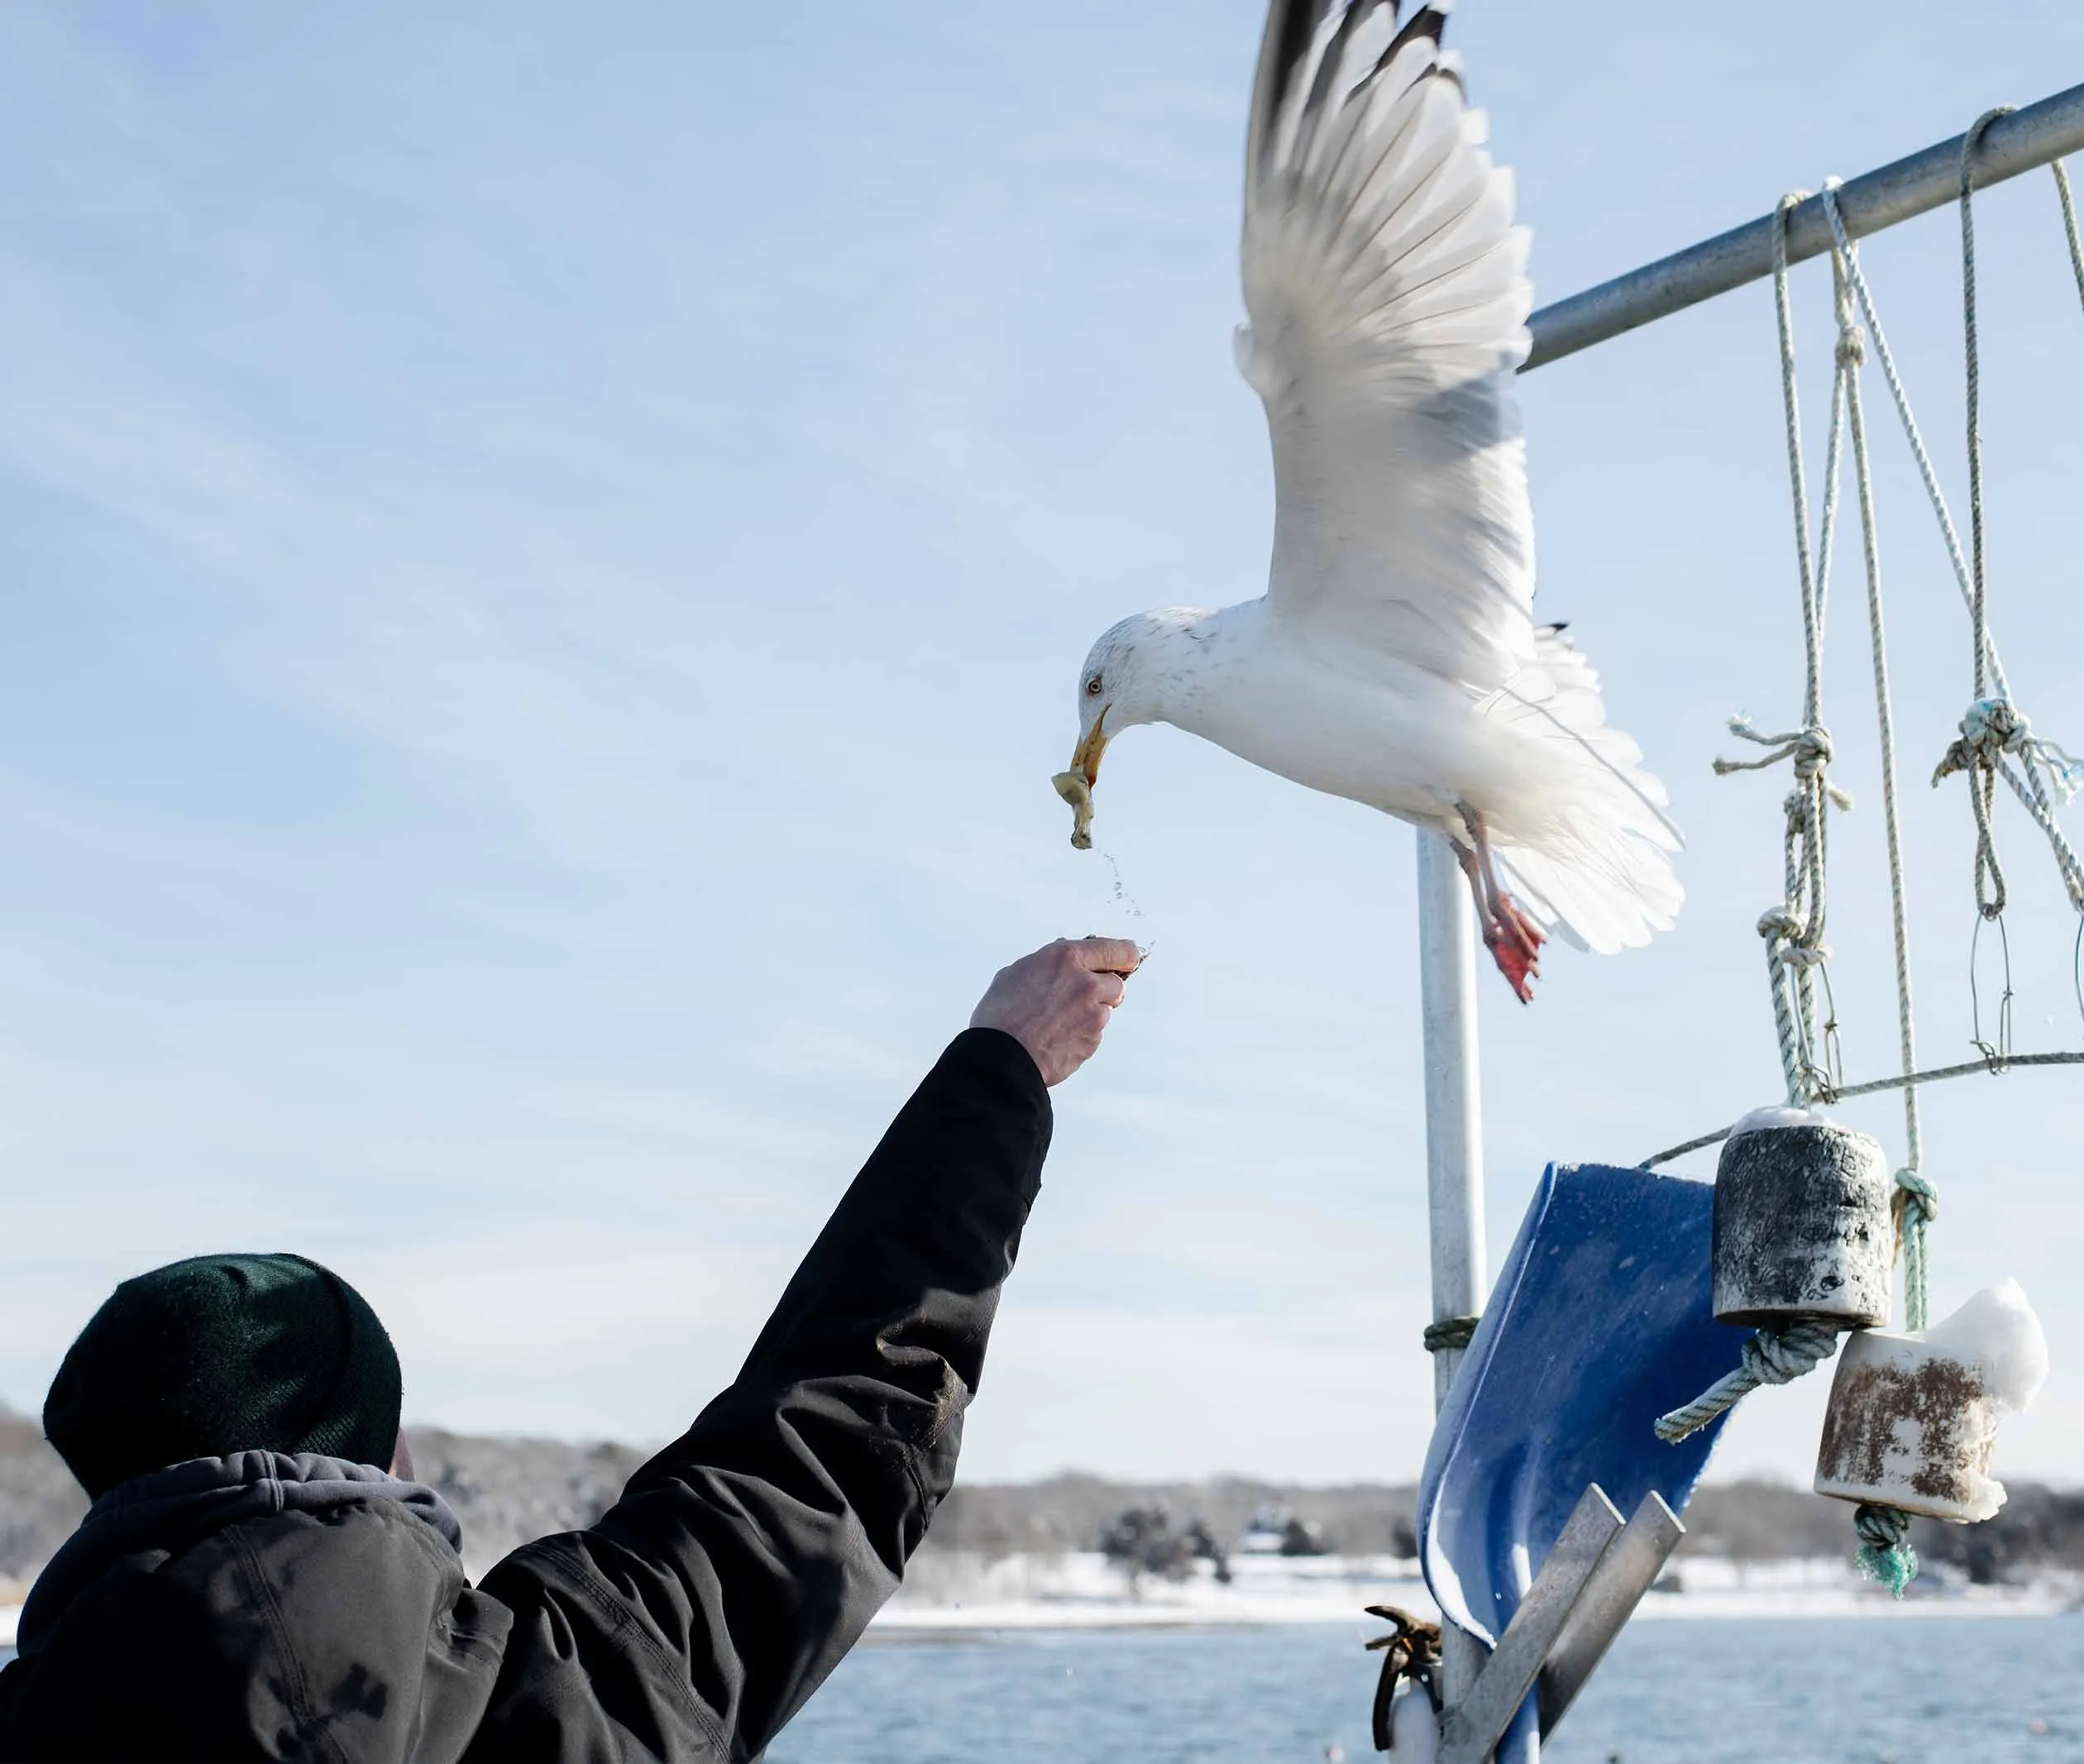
[(546, 553)]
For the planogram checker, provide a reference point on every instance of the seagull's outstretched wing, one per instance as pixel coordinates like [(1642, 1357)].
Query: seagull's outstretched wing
[(1389, 297)]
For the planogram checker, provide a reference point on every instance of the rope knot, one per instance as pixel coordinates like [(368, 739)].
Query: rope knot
[(1992, 728), (1918, 1196), (1781, 1356), (1809, 747), (1995, 723), (1780, 926), (1769, 1357), (1852, 346), (1812, 751)]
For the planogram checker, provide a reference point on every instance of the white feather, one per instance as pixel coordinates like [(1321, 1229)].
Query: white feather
[(1395, 659)]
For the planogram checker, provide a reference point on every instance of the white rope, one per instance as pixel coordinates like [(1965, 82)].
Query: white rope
[(1916, 1201), (1793, 934), (1978, 600), (2069, 223), (1993, 721), (2001, 744), (1795, 951)]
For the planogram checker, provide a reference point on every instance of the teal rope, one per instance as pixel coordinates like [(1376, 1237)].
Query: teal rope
[(1885, 1554), (1917, 1208)]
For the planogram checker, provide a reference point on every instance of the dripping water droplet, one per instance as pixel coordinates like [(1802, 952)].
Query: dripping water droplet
[(1119, 896)]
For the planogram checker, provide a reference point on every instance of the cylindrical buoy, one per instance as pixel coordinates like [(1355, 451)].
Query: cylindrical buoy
[(1802, 1229), (1913, 1418)]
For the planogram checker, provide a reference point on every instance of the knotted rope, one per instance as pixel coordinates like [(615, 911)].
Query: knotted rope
[(1795, 951), (1794, 932), (1450, 1332), (2039, 772), (1775, 1356), (1885, 1553)]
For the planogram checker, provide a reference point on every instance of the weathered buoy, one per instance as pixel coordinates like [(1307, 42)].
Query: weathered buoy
[(1913, 1418), (1802, 1227)]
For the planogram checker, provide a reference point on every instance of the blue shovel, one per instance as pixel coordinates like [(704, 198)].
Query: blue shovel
[(1600, 1321)]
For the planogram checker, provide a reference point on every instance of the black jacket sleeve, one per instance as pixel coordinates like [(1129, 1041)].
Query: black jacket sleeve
[(744, 1560)]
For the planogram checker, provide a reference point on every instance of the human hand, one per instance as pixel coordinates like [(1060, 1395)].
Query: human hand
[(1057, 1002)]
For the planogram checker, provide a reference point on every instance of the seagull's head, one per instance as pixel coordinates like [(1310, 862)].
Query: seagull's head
[(1122, 684)]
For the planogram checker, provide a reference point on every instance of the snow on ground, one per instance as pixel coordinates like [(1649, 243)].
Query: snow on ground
[(1083, 1590), (949, 1594)]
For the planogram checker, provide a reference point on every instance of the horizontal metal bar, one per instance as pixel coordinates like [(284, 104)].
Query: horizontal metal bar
[(1997, 1065), (1626, 1571), (2013, 144)]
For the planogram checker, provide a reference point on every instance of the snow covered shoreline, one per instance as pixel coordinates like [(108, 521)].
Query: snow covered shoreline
[(950, 1596)]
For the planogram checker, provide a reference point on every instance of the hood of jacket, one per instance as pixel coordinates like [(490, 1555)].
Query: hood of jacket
[(167, 1511), (255, 1606)]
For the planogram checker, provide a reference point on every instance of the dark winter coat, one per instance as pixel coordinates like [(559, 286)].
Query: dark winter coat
[(262, 1607)]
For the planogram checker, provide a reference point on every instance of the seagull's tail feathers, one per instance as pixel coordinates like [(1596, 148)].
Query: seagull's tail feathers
[(1588, 846)]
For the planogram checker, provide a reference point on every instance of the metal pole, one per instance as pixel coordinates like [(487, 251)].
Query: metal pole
[(1446, 922), (1454, 1140), (2013, 144), (1453, 1107)]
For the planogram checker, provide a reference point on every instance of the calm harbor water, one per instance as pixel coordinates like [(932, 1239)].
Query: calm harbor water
[(1992, 1690), (1815, 1691)]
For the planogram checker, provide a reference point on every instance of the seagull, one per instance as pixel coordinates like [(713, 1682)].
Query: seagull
[(1395, 659)]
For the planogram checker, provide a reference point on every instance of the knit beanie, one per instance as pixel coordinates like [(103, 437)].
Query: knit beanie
[(223, 1354)]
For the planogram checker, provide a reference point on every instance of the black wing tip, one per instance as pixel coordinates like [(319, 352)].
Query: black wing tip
[(1428, 21), (1292, 26)]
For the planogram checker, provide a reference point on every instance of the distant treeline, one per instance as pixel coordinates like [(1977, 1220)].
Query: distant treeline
[(507, 1491)]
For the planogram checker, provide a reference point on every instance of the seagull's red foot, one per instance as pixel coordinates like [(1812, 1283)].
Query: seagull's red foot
[(1515, 944)]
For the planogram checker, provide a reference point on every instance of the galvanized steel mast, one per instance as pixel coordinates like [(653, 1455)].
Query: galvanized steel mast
[(2019, 142)]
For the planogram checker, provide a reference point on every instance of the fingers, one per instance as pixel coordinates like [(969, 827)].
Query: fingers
[(1057, 1001), (1114, 955)]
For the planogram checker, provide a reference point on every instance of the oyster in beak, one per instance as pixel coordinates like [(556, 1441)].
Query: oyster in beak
[(1072, 787)]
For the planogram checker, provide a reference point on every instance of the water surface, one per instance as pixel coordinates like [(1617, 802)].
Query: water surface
[(1692, 1691), (1994, 1690)]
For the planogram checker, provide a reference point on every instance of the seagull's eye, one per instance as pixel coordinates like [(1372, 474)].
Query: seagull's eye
[(1093, 687)]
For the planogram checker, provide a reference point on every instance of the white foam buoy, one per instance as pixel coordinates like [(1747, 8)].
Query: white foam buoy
[(1802, 1230), (1912, 1417)]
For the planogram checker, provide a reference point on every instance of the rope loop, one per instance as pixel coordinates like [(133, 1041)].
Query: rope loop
[(1450, 1332)]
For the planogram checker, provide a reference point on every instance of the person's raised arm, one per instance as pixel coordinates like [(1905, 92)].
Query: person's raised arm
[(745, 1559)]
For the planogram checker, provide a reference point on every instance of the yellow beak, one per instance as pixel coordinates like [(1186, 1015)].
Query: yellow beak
[(1086, 756), (1076, 785)]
